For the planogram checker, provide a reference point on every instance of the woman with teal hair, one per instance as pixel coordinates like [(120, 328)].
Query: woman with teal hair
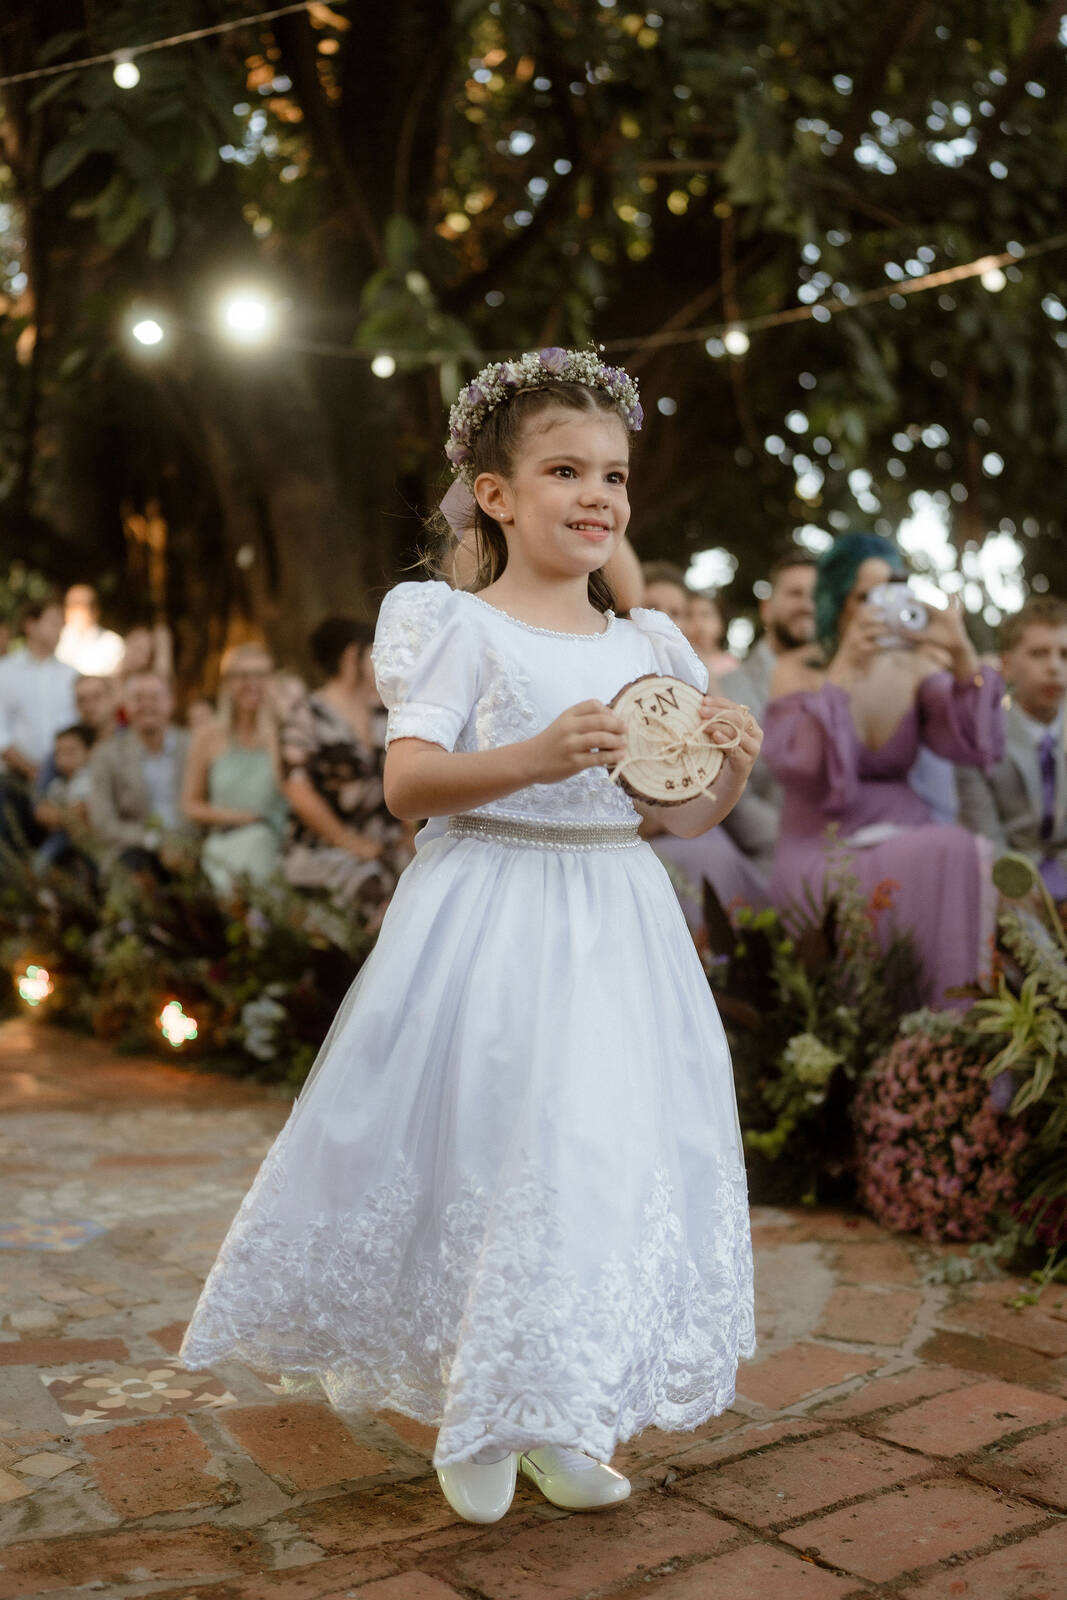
[(842, 740)]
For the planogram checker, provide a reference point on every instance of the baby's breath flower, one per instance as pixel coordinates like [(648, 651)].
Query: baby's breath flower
[(501, 379)]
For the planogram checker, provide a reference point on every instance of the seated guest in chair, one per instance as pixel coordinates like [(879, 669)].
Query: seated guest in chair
[(1021, 804), (232, 776), (842, 739), (788, 617), (63, 808), (36, 701), (136, 784)]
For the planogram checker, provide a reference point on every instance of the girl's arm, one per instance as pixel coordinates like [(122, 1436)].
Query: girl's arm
[(195, 804), (706, 810), (423, 780)]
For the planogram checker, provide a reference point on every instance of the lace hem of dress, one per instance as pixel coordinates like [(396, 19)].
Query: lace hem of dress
[(474, 1320)]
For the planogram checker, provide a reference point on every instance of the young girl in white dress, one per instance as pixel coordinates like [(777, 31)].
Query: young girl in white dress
[(510, 1200)]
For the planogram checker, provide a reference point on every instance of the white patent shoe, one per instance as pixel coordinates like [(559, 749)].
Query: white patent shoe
[(479, 1492), (573, 1481)]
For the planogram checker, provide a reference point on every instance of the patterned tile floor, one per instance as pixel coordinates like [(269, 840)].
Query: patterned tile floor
[(896, 1437)]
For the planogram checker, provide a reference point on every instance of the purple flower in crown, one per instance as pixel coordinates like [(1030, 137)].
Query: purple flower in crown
[(474, 394), (637, 416), (554, 359), (457, 452), (509, 374)]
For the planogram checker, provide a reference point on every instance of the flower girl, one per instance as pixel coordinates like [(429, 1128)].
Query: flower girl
[(510, 1200)]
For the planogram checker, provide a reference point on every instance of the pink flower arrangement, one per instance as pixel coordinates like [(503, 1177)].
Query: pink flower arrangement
[(935, 1156)]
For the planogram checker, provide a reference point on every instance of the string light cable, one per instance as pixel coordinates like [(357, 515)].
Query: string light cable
[(736, 330), (127, 53)]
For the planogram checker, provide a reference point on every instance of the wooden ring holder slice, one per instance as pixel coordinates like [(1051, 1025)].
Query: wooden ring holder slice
[(670, 758)]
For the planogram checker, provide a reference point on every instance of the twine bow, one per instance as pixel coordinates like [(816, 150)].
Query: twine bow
[(663, 743)]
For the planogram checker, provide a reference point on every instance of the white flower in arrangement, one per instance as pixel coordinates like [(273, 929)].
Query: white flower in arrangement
[(501, 379), (811, 1061), (260, 1020)]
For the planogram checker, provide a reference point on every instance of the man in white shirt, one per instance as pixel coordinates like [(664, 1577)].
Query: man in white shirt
[(84, 644), (36, 701), (1022, 804)]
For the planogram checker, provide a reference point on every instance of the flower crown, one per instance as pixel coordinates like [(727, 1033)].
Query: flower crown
[(501, 380)]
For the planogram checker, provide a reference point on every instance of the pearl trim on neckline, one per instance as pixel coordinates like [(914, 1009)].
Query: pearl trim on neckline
[(551, 633)]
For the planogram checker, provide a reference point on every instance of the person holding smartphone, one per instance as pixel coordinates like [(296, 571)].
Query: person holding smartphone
[(842, 736)]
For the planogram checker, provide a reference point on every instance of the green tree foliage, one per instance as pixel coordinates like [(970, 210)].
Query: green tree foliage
[(437, 180)]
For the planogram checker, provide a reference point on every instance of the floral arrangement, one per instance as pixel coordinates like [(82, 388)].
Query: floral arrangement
[(808, 1001), (257, 979), (1026, 1016), (937, 1150), (501, 379)]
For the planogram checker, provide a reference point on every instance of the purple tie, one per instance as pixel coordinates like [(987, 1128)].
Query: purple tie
[(1046, 752), (1053, 874)]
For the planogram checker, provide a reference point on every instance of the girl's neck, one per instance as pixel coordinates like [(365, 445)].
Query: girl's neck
[(561, 605)]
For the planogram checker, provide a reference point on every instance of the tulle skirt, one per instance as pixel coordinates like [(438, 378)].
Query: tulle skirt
[(510, 1199)]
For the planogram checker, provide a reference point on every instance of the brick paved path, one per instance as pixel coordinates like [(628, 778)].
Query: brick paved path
[(895, 1437)]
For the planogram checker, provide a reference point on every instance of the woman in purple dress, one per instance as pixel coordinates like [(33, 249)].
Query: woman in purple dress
[(842, 738)]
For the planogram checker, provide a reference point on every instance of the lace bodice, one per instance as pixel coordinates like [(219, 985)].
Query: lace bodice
[(455, 670)]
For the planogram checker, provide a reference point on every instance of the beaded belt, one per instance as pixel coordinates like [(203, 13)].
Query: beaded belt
[(546, 835)]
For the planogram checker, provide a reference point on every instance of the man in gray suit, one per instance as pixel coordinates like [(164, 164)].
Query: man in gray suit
[(135, 798), (1022, 804), (787, 612)]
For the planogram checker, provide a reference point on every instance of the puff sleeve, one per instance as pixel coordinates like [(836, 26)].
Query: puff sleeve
[(426, 663), (674, 654)]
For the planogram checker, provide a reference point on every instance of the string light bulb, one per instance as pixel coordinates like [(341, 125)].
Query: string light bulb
[(994, 280), (35, 985), (247, 315), (736, 341), (383, 366), (174, 1025), (147, 331), (126, 72)]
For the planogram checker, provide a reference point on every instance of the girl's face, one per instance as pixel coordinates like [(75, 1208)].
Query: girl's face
[(564, 508), (869, 575)]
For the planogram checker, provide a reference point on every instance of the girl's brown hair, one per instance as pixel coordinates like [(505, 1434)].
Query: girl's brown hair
[(494, 449)]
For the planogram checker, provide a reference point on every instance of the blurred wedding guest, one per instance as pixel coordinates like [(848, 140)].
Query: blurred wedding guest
[(231, 786), (704, 628), (841, 740), (340, 835), (84, 644), (712, 858), (199, 713), (36, 700), (136, 784), (63, 809), (97, 700), (788, 618), (148, 648), (1022, 803), (665, 590), (5, 636), (97, 705)]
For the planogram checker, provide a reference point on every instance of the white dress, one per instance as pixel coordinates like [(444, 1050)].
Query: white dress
[(510, 1199)]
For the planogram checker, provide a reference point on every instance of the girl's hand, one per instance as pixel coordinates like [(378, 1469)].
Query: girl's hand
[(742, 757), (588, 735)]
